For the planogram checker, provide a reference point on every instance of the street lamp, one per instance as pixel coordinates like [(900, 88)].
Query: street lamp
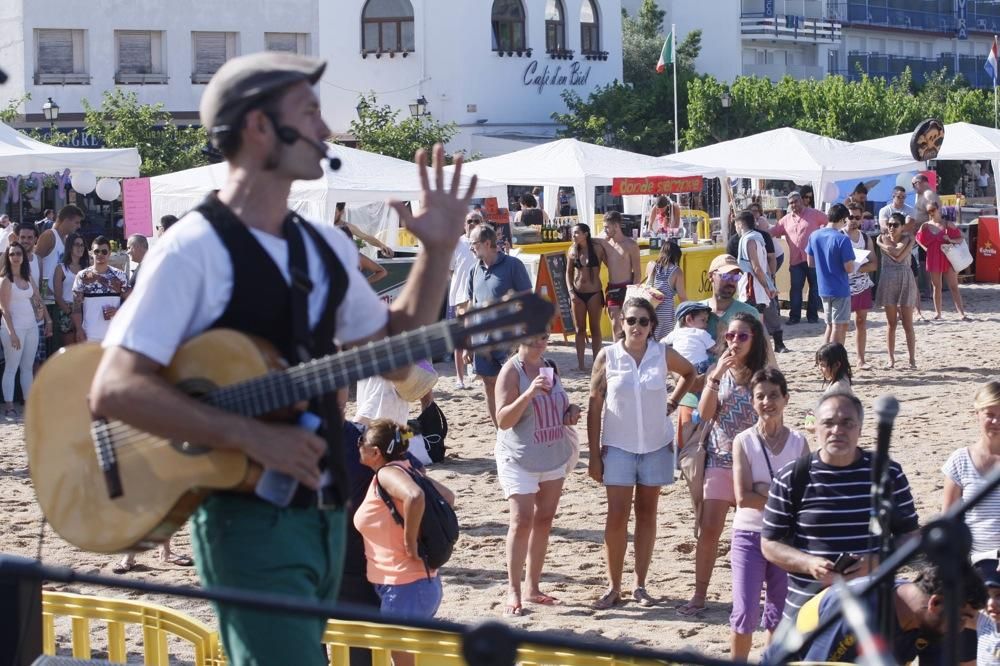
[(727, 101), (419, 108), (51, 112)]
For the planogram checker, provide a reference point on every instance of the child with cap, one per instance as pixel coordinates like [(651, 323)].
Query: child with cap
[(691, 338), (988, 622)]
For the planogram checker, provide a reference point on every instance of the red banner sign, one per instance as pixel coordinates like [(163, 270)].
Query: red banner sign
[(655, 185)]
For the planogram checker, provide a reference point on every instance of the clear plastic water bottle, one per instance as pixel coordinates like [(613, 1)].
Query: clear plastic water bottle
[(279, 488)]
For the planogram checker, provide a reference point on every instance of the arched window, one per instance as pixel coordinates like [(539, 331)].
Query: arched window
[(508, 25), (555, 26), (590, 28), (387, 25)]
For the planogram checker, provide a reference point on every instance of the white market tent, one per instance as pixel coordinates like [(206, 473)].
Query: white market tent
[(363, 178), (21, 156), (584, 166), (791, 154), (962, 141)]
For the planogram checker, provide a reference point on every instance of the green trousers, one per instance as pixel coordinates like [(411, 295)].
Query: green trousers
[(243, 542)]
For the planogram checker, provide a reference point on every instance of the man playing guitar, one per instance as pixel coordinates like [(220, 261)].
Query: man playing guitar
[(229, 264)]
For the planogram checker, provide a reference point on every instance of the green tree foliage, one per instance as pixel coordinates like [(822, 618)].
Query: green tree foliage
[(636, 115), (10, 113), (851, 111), (377, 130), (122, 122)]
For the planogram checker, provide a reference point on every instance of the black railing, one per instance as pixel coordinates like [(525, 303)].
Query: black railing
[(924, 15), (891, 66)]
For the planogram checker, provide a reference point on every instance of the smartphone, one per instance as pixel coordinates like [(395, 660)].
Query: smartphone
[(844, 562)]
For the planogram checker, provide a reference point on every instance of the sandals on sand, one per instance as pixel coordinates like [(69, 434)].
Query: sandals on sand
[(123, 566), (640, 595), (179, 560), (610, 599), (690, 610), (543, 600), (513, 610)]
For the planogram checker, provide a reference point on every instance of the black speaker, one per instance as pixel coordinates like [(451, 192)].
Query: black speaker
[(68, 661), (21, 625)]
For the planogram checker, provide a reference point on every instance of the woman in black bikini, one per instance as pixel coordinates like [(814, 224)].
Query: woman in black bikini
[(583, 274)]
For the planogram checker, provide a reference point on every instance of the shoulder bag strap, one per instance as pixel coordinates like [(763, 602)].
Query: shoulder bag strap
[(763, 448)]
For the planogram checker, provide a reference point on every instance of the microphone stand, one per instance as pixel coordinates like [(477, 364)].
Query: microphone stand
[(882, 506)]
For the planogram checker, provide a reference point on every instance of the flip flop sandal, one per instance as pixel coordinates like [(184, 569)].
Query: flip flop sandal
[(687, 610), (610, 599), (123, 567), (640, 595), (543, 600), (513, 610), (179, 560)]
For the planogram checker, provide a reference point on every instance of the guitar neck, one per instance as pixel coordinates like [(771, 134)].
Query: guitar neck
[(311, 379)]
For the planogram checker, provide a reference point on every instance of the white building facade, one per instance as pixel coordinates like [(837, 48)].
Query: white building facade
[(496, 68), (813, 38)]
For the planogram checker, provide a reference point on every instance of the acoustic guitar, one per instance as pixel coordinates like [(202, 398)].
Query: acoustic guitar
[(107, 487)]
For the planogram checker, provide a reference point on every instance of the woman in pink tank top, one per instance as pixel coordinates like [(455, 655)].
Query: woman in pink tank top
[(758, 453)]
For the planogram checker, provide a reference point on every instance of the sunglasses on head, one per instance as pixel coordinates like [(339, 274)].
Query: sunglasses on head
[(741, 336), (101, 250), (642, 321)]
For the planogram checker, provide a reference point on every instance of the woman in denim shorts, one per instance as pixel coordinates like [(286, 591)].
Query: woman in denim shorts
[(631, 439), (404, 585)]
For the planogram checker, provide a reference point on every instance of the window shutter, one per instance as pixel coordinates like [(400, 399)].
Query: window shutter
[(135, 53), (55, 51), (210, 52), (283, 41)]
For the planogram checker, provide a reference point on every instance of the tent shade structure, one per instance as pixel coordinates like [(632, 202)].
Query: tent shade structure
[(584, 166), (364, 178), (962, 141), (791, 154), (21, 155)]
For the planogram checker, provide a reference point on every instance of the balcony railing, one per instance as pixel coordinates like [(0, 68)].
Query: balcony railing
[(777, 72), (980, 16), (891, 66), (790, 28)]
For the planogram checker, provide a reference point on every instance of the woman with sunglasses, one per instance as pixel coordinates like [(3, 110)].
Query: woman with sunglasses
[(533, 453), (860, 282), (19, 332), (726, 402), (73, 261), (933, 235), (631, 437), (897, 288)]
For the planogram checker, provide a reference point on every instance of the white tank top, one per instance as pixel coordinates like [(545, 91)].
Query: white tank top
[(21, 311), (49, 263), (747, 518), (635, 410), (68, 277)]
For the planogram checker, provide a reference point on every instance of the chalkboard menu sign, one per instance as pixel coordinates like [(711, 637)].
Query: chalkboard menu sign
[(552, 276)]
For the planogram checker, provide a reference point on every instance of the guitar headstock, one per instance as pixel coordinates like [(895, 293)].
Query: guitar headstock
[(501, 324)]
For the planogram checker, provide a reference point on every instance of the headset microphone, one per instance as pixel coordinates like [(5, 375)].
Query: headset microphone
[(289, 135)]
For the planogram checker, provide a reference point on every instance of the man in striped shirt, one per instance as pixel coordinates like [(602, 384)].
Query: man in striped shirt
[(806, 532)]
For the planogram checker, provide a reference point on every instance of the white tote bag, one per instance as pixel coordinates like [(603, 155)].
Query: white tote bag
[(958, 254)]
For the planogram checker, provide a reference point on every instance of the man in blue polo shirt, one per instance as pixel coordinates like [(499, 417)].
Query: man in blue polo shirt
[(830, 252), (491, 279)]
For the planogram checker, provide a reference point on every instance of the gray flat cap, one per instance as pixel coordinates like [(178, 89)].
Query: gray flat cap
[(244, 80)]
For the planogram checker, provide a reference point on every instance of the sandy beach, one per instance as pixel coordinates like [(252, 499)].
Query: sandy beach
[(953, 358)]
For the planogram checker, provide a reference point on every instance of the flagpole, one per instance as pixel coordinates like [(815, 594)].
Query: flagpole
[(673, 56)]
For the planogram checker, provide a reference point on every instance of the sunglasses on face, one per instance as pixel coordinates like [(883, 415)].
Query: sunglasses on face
[(642, 321), (893, 225), (856, 217), (729, 277), (741, 336), (101, 250)]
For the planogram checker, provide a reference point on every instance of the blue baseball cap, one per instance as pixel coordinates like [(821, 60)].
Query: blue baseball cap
[(690, 307)]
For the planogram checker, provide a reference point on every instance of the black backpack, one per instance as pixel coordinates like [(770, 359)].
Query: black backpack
[(438, 527), (434, 427)]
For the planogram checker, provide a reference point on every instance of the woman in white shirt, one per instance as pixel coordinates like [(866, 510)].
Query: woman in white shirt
[(631, 439), (19, 332)]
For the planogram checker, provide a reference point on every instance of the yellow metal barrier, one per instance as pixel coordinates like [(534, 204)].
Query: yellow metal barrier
[(431, 648)]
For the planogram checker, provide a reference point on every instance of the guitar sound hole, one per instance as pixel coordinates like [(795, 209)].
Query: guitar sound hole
[(196, 387)]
